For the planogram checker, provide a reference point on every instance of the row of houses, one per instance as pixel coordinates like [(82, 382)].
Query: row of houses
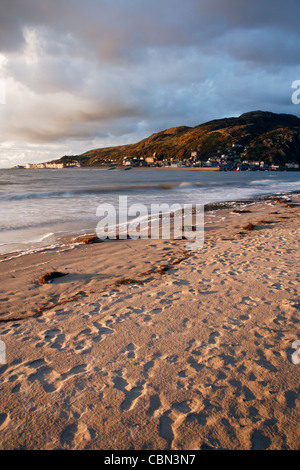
[(34, 166), (139, 161), (234, 159)]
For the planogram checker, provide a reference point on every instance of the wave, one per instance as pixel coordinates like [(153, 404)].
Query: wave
[(187, 183), (147, 187), (77, 192), (95, 191), (61, 222), (261, 182), (44, 237)]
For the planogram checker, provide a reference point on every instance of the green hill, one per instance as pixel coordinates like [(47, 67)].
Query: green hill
[(264, 136)]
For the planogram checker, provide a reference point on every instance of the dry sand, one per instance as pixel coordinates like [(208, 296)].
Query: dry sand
[(194, 356)]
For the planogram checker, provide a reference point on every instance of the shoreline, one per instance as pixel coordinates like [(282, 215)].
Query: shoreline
[(122, 167), (70, 241)]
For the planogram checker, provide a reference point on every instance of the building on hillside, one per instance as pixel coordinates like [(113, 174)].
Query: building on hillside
[(54, 165), (34, 166), (294, 166), (73, 164)]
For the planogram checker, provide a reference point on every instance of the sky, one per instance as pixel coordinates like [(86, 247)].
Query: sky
[(82, 74)]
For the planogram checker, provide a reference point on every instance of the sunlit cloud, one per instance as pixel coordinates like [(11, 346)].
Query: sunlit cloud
[(79, 75)]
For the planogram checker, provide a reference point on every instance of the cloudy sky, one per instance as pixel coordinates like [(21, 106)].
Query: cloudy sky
[(83, 74)]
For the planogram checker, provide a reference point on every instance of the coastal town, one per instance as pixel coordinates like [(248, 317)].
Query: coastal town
[(53, 165), (233, 160)]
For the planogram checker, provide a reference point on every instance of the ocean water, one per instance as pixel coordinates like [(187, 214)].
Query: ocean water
[(38, 207)]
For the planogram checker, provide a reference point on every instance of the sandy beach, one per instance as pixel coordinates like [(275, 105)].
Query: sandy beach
[(143, 345)]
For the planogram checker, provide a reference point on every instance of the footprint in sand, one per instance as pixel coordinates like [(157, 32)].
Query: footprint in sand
[(132, 393), (259, 441), (233, 324), (170, 421), (248, 301), (132, 396), (102, 332), (154, 405), (187, 323), (147, 319), (4, 421), (166, 428), (55, 337), (212, 337), (129, 351), (44, 374), (76, 434), (290, 305), (49, 379), (194, 364), (83, 341), (155, 311), (147, 366)]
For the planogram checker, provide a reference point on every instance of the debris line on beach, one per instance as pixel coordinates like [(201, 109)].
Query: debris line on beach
[(50, 276)]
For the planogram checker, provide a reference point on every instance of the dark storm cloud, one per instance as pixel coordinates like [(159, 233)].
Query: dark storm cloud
[(111, 69), (119, 28)]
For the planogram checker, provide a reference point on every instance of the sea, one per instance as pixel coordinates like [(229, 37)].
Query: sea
[(39, 208)]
